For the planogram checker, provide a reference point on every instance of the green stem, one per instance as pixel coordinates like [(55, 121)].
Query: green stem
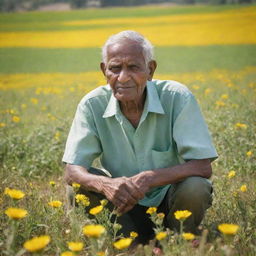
[(10, 238)]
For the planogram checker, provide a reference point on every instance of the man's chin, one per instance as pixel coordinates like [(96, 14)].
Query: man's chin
[(123, 97)]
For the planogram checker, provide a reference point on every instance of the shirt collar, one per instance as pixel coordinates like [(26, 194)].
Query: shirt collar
[(152, 103)]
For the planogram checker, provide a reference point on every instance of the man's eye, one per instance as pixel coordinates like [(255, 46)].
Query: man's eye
[(114, 69), (134, 67)]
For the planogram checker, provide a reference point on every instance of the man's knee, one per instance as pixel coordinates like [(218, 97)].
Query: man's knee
[(194, 189)]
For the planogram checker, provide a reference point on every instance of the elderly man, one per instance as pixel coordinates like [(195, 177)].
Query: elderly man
[(150, 136)]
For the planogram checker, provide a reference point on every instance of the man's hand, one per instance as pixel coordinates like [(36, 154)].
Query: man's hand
[(122, 192)]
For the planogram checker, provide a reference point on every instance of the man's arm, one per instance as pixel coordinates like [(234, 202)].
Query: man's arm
[(120, 191), (171, 175)]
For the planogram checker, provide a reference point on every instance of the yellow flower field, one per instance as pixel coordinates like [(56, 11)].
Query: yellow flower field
[(222, 28)]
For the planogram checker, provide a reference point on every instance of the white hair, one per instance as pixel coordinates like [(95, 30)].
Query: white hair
[(147, 47)]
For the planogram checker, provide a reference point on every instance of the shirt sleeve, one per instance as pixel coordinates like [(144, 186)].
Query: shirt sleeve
[(191, 133), (83, 144)]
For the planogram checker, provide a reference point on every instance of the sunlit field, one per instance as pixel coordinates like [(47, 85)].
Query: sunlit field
[(48, 61)]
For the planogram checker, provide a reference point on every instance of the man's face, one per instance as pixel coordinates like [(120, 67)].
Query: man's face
[(126, 71)]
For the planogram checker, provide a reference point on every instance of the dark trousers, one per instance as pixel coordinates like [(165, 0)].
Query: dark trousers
[(193, 194)]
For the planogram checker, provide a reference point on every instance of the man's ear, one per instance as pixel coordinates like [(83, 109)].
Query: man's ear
[(152, 67), (103, 68)]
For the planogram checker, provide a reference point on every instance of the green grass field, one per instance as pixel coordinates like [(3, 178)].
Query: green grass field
[(39, 91)]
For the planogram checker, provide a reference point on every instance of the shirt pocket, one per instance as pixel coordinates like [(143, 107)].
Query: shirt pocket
[(162, 159)]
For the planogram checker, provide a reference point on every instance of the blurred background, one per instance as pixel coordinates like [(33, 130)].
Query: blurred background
[(21, 5)]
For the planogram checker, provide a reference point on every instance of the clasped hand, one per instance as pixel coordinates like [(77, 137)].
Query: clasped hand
[(125, 192)]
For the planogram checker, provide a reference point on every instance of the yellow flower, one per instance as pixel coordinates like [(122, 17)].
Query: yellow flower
[(37, 243), (75, 246), (52, 183), (228, 229), (67, 253), (151, 210), (220, 103), (249, 153), (55, 204), (182, 215), (188, 236), (160, 215), (224, 96), (93, 230), (122, 243), (103, 202), (76, 185), (34, 100), (14, 193), (243, 188), (57, 136), (161, 235), (240, 126), (133, 234), (16, 213), (195, 87), (96, 210), (83, 199), (23, 106), (100, 254), (207, 91), (16, 119), (2, 124), (231, 174)]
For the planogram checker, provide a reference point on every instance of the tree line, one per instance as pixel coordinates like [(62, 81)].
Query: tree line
[(13, 5)]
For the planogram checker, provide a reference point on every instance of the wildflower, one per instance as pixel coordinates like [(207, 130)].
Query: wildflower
[(72, 89), (16, 119), (16, 213), (151, 210), (103, 202), (182, 215), (57, 136), (67, 253), (195, 87), (14, 193), (161, 235), (249, 153), (67, 231), (188, 236), (37, 243), (82, 199), (235, 194), (76, 186), (231, 174), (133, 234), (52, 183), (224, 96), (243, 188), (240, 126), (228, 229), (100, 254), (34, 100), (75, 246), (2, 124), (220, 103), (96, 210), (93, 230), (207, 91), (160, 215), (23, 106), (122, 243), (55, 204)]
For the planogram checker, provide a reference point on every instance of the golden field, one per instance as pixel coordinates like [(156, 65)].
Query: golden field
[(222, 28)]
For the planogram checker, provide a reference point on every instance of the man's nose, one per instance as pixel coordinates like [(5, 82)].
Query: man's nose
[(124, 76)]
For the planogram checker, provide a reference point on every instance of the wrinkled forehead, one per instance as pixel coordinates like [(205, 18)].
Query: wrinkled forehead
[(125, 49)]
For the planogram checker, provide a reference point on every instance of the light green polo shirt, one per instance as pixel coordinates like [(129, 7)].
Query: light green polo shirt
[(171, 131)]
